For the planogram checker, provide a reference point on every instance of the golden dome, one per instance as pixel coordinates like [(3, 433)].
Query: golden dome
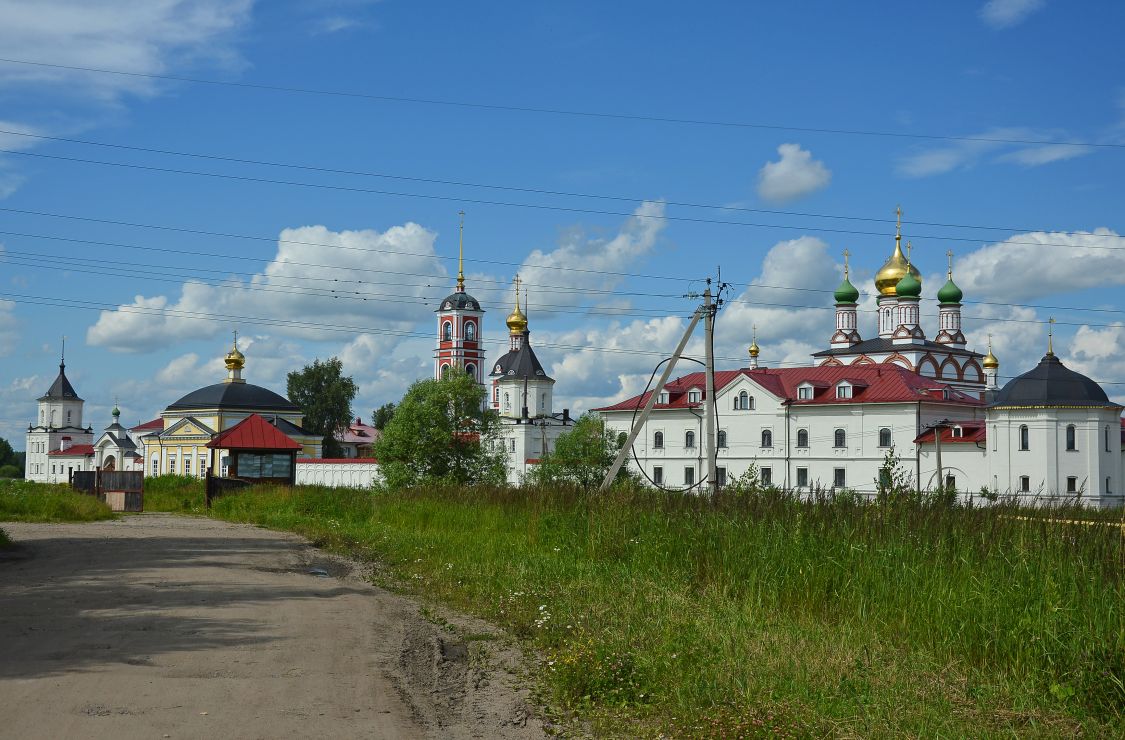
[(517, 321), (754, 350), (893, 270), (990, 362), (235, 360)]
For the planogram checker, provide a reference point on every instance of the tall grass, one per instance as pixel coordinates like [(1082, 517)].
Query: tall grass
[(28, 501), (762, 613), (182, 494)]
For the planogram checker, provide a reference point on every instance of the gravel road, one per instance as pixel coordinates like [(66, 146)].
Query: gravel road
[(161, 626)]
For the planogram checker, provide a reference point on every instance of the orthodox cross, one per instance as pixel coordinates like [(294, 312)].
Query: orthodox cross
[(846, 255), (949, 254)]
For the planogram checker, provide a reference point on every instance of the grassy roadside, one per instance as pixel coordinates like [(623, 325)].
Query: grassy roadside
[(761, 615), (27, 501), (180, 494)]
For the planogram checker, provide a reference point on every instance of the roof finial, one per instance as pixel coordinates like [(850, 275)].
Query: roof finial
[(517, 291), (909, 247), (1051, 336), (898, 224), (62, 355), (461, 255), (235, 332), (949, 271), (846, 255)]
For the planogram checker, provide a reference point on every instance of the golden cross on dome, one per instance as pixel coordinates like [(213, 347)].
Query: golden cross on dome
[(898, 223), (1051, 335), (909, 247), (235, 332), (517, 290), (949, 254), (846, 255)]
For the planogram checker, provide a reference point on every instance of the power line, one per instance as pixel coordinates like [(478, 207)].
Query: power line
[(522, 189), (510, 204), (607, 115)]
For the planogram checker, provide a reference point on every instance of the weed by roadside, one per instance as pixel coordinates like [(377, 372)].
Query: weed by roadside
[(28, 501)]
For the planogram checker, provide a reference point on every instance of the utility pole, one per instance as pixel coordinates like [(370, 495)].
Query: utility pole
[(709, 400), (640, 423)]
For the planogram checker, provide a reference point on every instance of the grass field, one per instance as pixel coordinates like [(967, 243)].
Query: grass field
[(181, 494), (761, 615), (26, 501)]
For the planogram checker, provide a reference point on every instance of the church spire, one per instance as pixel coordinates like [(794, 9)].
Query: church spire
[(461, 255)]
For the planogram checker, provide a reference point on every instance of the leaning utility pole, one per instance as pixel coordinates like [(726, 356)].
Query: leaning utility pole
[(640, 423), (709, 400)]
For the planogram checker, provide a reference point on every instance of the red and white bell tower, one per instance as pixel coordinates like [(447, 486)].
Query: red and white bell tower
[(460, 320)]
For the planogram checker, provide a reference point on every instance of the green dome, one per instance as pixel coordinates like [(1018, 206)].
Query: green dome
[(949, 292), (847, 293), (909, 286)]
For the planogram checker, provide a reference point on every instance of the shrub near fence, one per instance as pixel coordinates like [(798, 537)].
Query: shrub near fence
[(755, 611)]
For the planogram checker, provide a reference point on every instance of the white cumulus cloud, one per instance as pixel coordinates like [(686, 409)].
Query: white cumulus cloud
[(795, 175), (122, 35)]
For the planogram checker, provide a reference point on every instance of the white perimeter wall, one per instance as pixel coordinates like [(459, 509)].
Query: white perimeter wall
[(350, 473)]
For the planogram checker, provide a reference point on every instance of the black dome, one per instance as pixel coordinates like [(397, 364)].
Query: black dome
[(1050, 383), (460, 301), (235, 396)]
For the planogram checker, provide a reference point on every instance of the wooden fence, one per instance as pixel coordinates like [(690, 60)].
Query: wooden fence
[(123, 490)]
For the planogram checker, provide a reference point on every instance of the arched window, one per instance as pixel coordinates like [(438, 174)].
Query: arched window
[(68, 417), (884, 437), (743, 400), (471, 370), (1071, 441), (470, 331), (1107, 439), (751, 406), (543, 402), (446, 331), (802, 437), (840, 439), (507, 401), (689, 439), (722, 440), (658, 441), (1025, 438), (767, 438), (444, 370)]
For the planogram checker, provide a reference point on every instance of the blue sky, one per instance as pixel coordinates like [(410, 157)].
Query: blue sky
[(1007, 69)]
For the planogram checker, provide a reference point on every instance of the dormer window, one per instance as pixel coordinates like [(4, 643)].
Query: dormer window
[(804, 392), (663, 398), (843, 390), (693, 396), (957, 432)]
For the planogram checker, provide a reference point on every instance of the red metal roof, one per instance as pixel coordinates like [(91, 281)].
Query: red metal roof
[(156, 423), (971, 432), (873, 384), (253, 433), (73, 451)]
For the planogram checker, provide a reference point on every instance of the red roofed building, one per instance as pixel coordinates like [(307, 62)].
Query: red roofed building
[(257, 450), (829, 426)]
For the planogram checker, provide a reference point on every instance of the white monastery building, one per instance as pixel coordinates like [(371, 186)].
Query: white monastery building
[(1047, 435), (57, 443)]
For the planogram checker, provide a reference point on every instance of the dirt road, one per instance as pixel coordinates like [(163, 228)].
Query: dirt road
[(173, 627)]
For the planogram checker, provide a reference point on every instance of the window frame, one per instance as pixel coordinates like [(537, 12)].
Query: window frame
[(1024, 440), (1071, 438), (767, 439), (803, 439), (840, 439), (721, 439), (1072, 484), (765, 476), (1024, 484), (885, 432), (689, 439), (689, 475), (658, 475), (843, 391), (839, 477), (447, 331), (658, 440), (802, 477), (470, 331)]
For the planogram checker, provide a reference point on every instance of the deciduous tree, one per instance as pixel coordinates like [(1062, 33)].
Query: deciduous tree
[(440, 433), (325, 396), (582, 456)]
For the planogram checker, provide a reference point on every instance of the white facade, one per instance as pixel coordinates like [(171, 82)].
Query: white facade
[(794, 443), (58, 427)]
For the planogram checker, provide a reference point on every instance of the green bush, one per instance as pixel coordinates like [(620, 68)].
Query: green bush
[(10, 471)]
